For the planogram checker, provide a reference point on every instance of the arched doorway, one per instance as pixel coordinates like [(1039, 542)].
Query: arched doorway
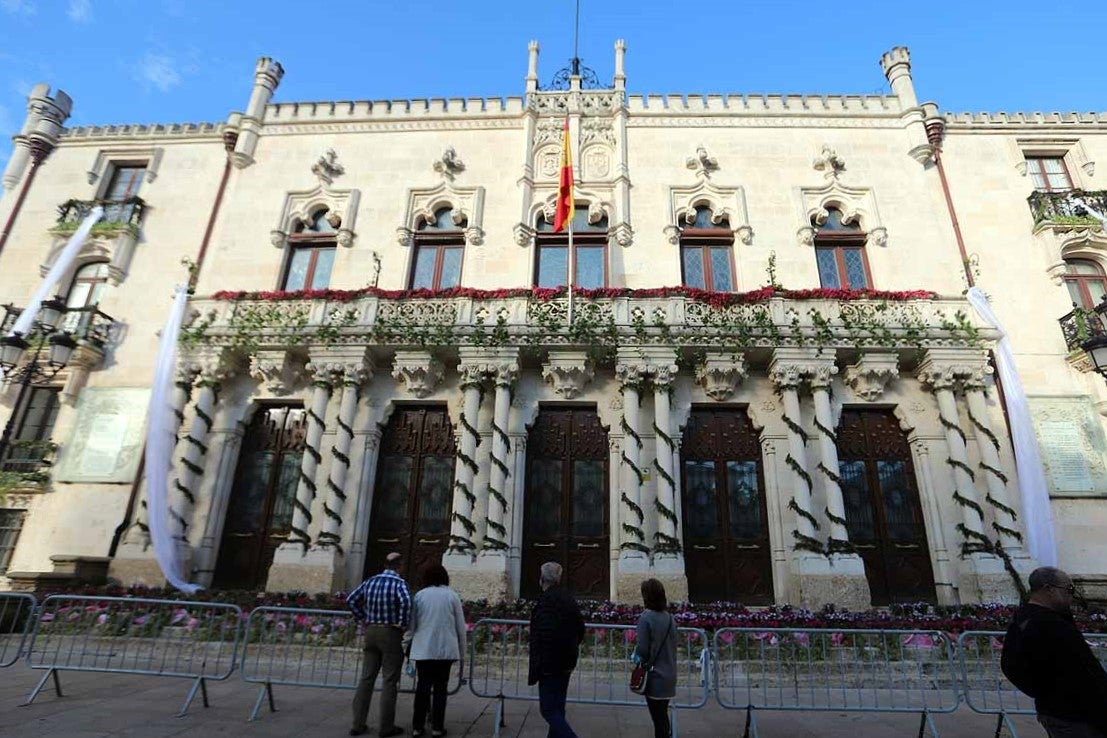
[(883, 512), (259, 514), (413, 500), (566, 517), (726, 533)]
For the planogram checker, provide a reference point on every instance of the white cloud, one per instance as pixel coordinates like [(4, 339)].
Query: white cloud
[(19, 7), (79, 11), (158, 70)]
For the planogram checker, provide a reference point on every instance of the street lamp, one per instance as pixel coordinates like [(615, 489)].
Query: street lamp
[(44, 337), (1096, 349)]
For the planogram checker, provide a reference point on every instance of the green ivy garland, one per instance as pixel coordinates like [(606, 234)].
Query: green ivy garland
[(998, 475), (463, 544), (826, 432), (985, 430), (326, 539), (630, 431), (794, 507), (499, 541), (962, 466), (999, 505), (806, 543), (796, 428), (839, 546), (949, 425), (834, 518)]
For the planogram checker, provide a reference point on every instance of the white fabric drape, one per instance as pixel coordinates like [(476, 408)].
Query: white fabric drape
[(160, 441), (61, 266), (1037, 515), (1093, 212)]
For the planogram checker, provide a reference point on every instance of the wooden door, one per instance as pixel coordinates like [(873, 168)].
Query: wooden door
[(259, 514), (566, 517), (726, 534), (413, 500), (883, 512)]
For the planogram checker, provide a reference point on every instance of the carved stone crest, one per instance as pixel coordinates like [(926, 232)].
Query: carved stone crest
[(829, 163), (327, 167), (702, 164), (449, 165)]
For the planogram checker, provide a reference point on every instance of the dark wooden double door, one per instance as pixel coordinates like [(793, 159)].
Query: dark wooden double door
[(566, 510), (726, 536), (413, 498), (883, 512), (259, 514)]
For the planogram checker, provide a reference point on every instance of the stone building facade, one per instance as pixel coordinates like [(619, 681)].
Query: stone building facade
[(707, 409)]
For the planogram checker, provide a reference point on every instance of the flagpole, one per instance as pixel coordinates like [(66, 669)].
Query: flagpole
[(572, 272)]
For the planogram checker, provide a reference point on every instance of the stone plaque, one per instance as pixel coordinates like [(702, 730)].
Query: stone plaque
[(1072, 443), (107, 437)]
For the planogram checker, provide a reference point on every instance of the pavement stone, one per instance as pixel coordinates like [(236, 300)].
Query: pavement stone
[(127, 706)]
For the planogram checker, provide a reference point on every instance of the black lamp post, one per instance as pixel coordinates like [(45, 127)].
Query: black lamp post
[(45, 337), (1096, 348)]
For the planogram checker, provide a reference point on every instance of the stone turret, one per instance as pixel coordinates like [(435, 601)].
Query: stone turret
[(38, 137), (267, 76), (532, 67), (620, 72), (897, 69)]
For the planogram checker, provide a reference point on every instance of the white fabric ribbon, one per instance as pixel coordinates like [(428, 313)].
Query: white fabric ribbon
[(161, 438), (1037, 516), (26, 320)]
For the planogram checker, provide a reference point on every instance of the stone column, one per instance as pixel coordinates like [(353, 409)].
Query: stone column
[(306, 490), (216, 488), (633, 544), (1006, 519), (668, 544), (366, 490), (787, 378), (462, 528), (194, 459), (353, 375), (495, 537)]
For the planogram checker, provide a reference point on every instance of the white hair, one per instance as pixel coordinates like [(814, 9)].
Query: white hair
[(550, 574)]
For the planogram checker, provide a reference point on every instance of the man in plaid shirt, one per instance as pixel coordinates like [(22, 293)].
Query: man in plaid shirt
[(383, 603)]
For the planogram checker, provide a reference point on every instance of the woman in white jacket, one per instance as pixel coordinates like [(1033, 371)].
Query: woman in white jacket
[(436, 639)]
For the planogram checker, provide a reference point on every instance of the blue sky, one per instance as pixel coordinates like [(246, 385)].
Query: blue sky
[(146, 61)]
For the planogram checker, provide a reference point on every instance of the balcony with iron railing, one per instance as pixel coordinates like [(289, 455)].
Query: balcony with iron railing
[(1068, 209), (1081, 324), (88, 325), (120, 216)]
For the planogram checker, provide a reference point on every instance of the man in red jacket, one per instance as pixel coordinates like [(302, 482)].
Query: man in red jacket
[(1046, 657)]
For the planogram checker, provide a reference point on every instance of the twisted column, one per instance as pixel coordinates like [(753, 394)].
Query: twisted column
[(306, 489), (331, 536), (668, 542), (942, 379), (838, 540), (495, 537), (1006, 519), (462, 528), (194, 459), (787, 378), (633, 538)]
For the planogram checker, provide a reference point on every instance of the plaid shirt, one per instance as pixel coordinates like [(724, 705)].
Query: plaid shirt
[(382, 600)]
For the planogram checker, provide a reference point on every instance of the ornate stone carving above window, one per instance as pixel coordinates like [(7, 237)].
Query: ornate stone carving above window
[(857, 204), (725, 202), (467, 203), (569, 372), (300, 207), (871, 374)]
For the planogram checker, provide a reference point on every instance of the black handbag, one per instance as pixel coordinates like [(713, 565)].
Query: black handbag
[(640, 675)]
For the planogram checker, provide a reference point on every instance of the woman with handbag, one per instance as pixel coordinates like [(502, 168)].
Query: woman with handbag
[(436, 640), (656, 656)]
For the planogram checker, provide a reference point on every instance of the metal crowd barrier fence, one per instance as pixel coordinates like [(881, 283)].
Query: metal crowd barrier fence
[(17, 615), (307, 648), (499, 659), (123, 635), (984, 686), (835, 670)]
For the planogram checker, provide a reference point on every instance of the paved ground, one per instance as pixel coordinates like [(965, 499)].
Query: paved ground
[(99, 705)]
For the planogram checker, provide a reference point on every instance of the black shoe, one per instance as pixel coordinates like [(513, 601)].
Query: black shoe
[(359, 731), (416, 732), (438, 732), (394, 730)]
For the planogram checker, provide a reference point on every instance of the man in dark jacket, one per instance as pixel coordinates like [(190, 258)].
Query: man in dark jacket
[(556, 632), (1046, 656)]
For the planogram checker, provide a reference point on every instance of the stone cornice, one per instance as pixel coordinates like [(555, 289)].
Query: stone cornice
[(1034, 120), (145, 132)]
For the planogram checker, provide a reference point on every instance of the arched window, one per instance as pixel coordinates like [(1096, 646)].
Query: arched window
[(840, 253), (706, 254), (311, 254), (1086, 282), (439, 247), (551, 264), (84, 295)]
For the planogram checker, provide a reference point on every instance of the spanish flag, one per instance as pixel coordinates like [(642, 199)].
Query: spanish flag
[(566, 207)]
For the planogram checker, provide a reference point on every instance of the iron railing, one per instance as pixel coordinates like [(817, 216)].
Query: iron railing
[(1081, 324), (122, 214), (1067, 207), (85, 324)]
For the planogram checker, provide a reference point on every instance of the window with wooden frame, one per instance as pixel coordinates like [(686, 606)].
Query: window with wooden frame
[(311, 248), (122, 186), (551, 263), (34, 427), (84, 295), (840, 253), (439, 248), (11, 523), (1086, 282), (707, 253), (1049, 173)]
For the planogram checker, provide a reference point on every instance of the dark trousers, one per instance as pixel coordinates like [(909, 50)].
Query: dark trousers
[(384, 654), (659, 713), (434, 675), (552, 691), (1061, 728)]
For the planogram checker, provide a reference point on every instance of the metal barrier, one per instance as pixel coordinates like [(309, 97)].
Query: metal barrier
[(17, 615), (307, 648), (499, 658), (835, 670), (984, 686), (123, 635)]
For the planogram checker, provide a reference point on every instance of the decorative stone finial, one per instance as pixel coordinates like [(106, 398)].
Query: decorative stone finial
[(702, 164), (899, 55), (829, 163), (327, 168), (450, 165)]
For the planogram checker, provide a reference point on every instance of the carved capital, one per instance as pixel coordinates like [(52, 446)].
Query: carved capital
[(419, 370), (404, 236), (212, 368), (278, 238), (630, 376), (806, 236), (623, 234), (951, 373), (744, 233), (472, 374), (345, 237), (878, 236), (568, 372), (523, 234), (185, 375), (821, 374), (278, 372), (672, 234), (871, 374), (786, 376), (662, 376), (720, 376), (505, 374), (474, 236)]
